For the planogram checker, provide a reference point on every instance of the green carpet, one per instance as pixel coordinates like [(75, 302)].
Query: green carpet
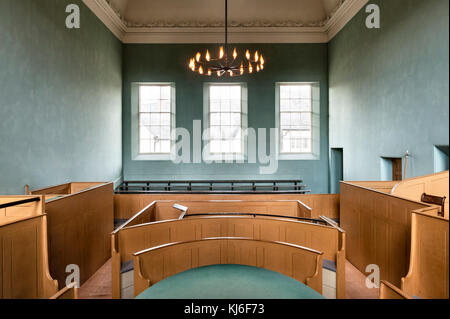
[(229, 282)]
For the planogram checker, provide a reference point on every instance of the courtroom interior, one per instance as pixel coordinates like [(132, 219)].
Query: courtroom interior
[(224, 149)]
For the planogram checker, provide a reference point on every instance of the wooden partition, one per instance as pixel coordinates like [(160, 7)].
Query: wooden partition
[(389, 291), (428, 275), (378, 229), (157, 263), (24, 270), (435, 184), (381, 186), (79, 230), (164, 209), (65, 189), (129, 240), (126, 205)]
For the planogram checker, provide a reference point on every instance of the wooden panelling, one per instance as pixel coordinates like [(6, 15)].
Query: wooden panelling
[(129, 240), (63, 189), (79, 227), (428, 275), (156, 264), (24, 270), (381, 186), (127, 205), (378, 230), (435, 184)]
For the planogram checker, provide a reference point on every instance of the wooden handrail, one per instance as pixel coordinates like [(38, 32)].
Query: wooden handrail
[(20, 202), (225, 238)]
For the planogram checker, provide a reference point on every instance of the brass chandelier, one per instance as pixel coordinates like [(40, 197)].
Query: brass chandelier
[(225, 64)]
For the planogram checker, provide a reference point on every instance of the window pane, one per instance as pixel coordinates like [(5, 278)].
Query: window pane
[(215, 119), (295, 118), (305, 92), (145, 107), (145, 119), (236, 146), (225, 118), (285, 119), (284, 92), (155, 132), (155, 118), (215, 106), (145, 132), (215, 146), (165, 132), (235, 106), (155, 105), (285, 105), (144, 146), (165, 106), (165, 146), (165, 92), (215, 132), (294, 92), (236, 119), (165, 119)]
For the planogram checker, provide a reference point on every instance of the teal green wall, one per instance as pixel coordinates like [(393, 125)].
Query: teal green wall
[(60, 97), (389, 87), (168, 63)]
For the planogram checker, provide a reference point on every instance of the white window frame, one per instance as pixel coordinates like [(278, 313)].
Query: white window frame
[(135, 132), (315, 123), (244, 123)]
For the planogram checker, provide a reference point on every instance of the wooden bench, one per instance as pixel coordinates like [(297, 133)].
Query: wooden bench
[(157, 263), (24, 269), (328, 239), (428, 275), (80, 223)]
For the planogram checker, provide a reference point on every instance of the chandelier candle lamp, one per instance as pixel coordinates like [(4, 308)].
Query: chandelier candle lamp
[(224, 63)]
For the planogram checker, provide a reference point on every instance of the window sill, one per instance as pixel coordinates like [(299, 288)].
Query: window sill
[(153, 157), (297, 157)]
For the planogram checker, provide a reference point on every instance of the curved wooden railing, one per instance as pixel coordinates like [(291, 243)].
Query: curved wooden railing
[(330, 240), (300, 263)]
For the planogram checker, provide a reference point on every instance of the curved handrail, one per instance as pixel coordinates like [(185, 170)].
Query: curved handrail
[(257, 214), (224, 238)]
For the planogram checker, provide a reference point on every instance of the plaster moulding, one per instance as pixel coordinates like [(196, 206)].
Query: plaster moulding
[(245, 32)]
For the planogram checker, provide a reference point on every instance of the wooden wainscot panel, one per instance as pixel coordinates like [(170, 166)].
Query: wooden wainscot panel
[(24, 271), (428, 275), (155, 264), (80, 227), (127, 205), (378, 230)]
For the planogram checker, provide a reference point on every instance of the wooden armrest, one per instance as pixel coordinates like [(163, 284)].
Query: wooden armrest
[(389, 291), (68, 292)]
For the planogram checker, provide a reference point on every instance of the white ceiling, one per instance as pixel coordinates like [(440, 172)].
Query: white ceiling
[(202, 21), (183, 13)]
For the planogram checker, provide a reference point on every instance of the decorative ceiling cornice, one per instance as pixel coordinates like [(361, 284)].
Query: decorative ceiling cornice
[(240, 32)]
